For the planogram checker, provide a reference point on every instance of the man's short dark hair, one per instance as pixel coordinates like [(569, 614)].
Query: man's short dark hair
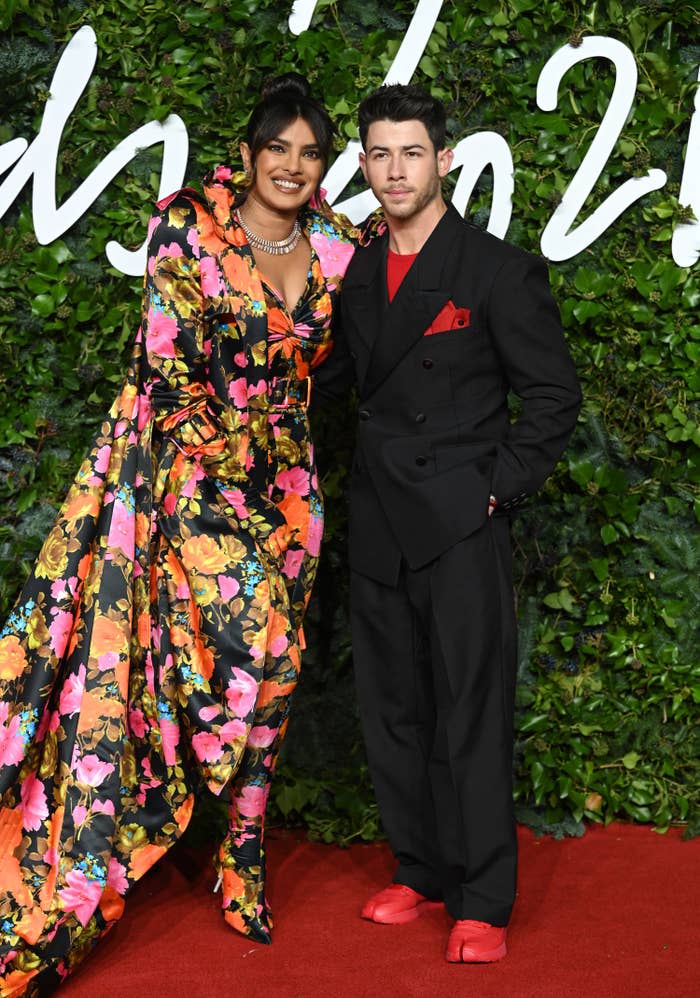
[(401, 102)]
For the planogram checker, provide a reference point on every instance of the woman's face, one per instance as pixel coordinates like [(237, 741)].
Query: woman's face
[(288, 168)]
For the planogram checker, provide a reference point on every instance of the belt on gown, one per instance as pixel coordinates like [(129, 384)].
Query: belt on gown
[(285, 392)]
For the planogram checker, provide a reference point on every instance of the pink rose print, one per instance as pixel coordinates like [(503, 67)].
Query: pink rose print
[(107, 660), (172, 250), (122, 529), (292, 563), (232, 730), (333, 254), (34, 806), (193, 242), (258, 389), (262, 736), (170, 736), (59, 629), (313, 541), (103, 807), (238, 393), (160, 333), (208, 714), (207, 746), (294, 480), (190, 485), (103, 456), (237, 500), (116, 876), (242, 693), (222, 173), (92, 770), (228, 587), (251, 801), (137, 723), (80, 813), (81, 895), (72, 693), (278, 644), (210, 277), (144, 412), (153, 223)]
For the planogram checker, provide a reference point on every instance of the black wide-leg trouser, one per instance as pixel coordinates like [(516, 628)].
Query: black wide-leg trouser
[(435, 663)]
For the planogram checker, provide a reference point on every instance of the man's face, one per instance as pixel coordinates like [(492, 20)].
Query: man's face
[(402, 167)]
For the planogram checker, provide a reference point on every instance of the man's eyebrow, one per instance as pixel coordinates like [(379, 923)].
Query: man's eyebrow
[(408, 148)]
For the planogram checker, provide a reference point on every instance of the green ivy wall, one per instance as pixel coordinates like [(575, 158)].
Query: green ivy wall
[(607, 558)]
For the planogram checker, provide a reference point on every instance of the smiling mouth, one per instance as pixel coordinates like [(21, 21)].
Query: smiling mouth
[(286, 185)]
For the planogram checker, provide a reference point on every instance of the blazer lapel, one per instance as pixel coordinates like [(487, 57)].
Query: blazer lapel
[(423, 292), (363, 297)]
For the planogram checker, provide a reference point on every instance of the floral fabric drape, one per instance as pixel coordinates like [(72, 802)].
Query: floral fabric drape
[(155, 645)]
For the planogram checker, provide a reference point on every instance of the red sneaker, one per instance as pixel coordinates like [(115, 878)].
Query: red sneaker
[(476, 942), (397, 904)]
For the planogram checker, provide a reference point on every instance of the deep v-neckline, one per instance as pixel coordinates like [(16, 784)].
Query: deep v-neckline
[(280, 297)]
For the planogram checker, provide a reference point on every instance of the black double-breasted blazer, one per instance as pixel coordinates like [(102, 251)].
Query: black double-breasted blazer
[(434, 433)]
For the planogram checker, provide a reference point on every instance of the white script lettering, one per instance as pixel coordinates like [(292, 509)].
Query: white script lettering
[(560, 240), (39, 160)]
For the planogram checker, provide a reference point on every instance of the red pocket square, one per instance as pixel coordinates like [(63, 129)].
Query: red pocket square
[(449, 317)]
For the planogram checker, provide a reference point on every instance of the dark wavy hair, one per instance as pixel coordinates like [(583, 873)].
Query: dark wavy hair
[(399, 102), (284, 99)]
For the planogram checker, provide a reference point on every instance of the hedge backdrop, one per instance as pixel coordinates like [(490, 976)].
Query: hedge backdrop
[(607, 557)]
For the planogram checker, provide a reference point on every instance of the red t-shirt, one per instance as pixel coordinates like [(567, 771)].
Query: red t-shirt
[(397, 266)]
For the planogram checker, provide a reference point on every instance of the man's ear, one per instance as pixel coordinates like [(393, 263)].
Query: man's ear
[(363, 164), (444, 161), (247, 158)]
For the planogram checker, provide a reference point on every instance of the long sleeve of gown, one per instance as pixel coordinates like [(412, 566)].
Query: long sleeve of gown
[(178, 346)]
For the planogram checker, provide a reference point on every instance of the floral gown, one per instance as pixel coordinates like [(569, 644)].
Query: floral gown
[(155, 646)]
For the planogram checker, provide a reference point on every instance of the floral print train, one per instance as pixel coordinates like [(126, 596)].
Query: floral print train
[(156, 645)]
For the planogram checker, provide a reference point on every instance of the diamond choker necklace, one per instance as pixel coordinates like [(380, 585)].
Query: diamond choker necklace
[(273, 246)]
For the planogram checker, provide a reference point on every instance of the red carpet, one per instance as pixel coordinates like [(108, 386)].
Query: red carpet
[(611, 915)]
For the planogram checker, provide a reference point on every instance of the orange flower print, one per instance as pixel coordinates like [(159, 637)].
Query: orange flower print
[(202, 554), (12, 658), (82, 504), (108, 636), (236, 269), (202, 659), (143, 858), (184, 813), (156, 644)]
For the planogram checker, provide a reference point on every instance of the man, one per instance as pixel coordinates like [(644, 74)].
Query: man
[(441, 321)]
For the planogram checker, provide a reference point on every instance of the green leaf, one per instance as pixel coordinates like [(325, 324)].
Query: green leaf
[(608, 533)]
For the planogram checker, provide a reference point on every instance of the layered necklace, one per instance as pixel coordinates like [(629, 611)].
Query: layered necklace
[(276, 247)]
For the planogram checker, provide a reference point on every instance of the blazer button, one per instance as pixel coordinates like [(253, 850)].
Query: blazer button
[(420, 417), (421, 460), (364, 414), (427, 363)]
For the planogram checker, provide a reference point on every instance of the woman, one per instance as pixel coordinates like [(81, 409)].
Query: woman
[(157, 643)]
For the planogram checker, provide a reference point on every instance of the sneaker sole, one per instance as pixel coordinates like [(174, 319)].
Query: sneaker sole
[(488, 956), (401, 917)]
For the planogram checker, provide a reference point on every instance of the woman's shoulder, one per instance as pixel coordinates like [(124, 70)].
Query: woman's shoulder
[(320, 218), (176, 216), (186, 202)]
